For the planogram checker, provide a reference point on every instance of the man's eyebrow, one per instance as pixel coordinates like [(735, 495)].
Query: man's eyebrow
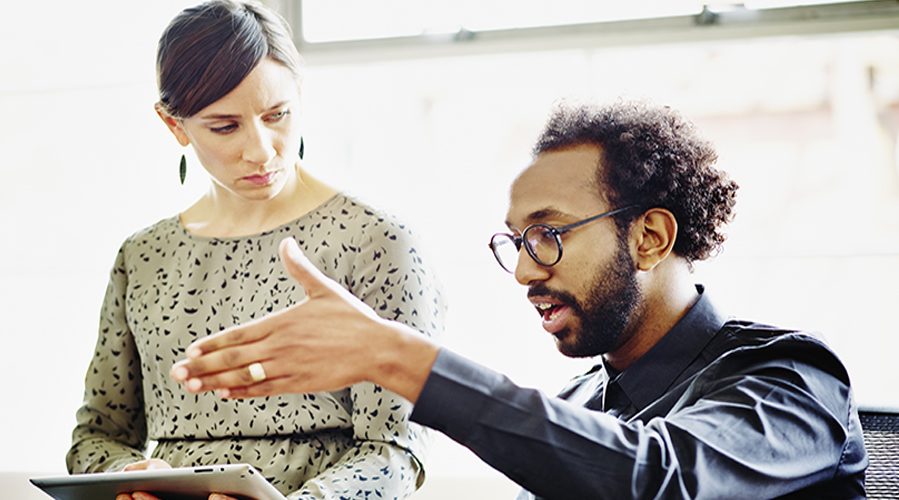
[(546, 213), (542, 214)]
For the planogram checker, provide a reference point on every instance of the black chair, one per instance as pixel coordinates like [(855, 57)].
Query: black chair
[(881, 430)]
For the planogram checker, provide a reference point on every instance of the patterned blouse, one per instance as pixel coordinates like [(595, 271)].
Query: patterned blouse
[(169, 288)]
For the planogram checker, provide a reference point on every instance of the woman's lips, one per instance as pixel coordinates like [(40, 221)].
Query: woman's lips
[(261, 180)]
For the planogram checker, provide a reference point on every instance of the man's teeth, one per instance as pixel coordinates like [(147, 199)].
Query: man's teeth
[(551, 309)]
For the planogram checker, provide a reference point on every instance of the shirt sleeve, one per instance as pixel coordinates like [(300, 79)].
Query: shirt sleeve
[(752, 429), (111, 430), (387, 460)]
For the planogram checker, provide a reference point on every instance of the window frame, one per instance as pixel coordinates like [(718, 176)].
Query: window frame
[(709, 25)]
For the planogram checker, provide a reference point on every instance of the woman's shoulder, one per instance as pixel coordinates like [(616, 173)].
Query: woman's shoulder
[(348, 222), (346, 205), (164, 230), (348, 209)]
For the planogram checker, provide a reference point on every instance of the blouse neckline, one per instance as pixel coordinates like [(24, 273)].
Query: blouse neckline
[(177, 221)]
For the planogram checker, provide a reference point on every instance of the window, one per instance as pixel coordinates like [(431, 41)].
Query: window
[(331, 21)]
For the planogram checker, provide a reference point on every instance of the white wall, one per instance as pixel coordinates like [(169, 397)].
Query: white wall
[(85, 162), (805, 126)]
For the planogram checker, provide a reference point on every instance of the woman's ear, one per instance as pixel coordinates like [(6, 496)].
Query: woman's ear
[(656, 231), (174, 125)]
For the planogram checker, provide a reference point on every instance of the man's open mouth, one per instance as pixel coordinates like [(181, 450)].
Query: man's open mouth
[(548, 311)]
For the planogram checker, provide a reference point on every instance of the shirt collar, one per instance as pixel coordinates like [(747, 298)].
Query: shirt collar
[(648, 378)]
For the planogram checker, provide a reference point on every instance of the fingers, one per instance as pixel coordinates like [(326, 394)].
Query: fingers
[(270, 387), (140, 495), (153, 463), (232, 377), (290, 344), (226, 365), (220, 360), (230, 337)]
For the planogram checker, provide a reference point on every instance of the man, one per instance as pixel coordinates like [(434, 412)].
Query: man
[(685, 403)]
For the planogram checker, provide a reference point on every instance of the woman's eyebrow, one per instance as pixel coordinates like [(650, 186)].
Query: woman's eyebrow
[(219, 117), (280, 104)]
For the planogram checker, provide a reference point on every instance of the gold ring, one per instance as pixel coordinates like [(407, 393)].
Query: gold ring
[(256, 372)]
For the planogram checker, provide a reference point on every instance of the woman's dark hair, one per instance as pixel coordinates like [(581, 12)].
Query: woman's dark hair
[(209, 49), (651, 157)]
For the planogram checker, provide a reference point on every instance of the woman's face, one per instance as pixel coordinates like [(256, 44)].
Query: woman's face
[(249, 139)]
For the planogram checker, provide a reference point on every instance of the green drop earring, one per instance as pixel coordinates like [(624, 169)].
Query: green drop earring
[(182, 169), (302, 147)]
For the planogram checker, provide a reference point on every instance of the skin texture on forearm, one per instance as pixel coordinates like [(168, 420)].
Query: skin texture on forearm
[(404, 361)]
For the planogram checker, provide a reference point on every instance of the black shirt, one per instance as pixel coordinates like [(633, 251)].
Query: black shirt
[(718, 409)]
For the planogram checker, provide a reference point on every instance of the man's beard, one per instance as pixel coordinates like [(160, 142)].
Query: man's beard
[(605, 313)]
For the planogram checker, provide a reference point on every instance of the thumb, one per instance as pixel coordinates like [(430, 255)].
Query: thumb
[(301, 269), (316, 283)]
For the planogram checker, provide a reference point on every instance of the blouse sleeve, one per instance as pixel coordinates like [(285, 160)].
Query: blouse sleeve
[(110, 430), (389, 275)]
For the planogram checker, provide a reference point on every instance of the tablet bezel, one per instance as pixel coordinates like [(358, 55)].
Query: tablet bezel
[(241, 481)]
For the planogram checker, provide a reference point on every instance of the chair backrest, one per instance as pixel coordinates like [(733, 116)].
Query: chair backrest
[(881, 430)]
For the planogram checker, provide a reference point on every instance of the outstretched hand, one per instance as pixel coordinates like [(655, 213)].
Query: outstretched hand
[(328, 341)]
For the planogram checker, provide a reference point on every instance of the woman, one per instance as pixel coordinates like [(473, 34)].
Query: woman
[(229, 86)]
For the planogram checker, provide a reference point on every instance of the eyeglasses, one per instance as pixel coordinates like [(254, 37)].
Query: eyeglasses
[(542, 242)]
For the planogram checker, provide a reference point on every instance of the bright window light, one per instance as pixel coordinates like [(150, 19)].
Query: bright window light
[(338, 20), (329, 20), (773, 4)]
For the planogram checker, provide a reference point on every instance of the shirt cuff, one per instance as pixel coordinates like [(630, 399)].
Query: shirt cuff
[(455, 392)]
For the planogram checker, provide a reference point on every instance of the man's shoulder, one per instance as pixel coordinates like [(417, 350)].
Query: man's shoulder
[(738, 333), (747, 343)]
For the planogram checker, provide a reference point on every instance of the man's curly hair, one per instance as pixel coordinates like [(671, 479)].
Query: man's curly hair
[(652, 157)]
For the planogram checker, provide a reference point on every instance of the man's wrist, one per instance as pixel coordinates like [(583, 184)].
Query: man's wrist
[(404, 360)]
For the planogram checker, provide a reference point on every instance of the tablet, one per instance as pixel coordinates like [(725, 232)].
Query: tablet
[(183, 483)]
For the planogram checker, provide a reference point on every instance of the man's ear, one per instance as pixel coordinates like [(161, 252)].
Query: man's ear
[(174, 125), (656, 231)]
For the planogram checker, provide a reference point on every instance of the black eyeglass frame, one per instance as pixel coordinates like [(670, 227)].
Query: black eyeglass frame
[(557, 232)]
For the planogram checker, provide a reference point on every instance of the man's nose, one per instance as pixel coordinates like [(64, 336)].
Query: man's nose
[(527, 271)]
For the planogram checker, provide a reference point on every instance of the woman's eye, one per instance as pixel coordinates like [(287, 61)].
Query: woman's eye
[(223, 130), (279, 115)]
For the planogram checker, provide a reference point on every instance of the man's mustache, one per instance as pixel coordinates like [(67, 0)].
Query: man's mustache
[(541, 290)]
